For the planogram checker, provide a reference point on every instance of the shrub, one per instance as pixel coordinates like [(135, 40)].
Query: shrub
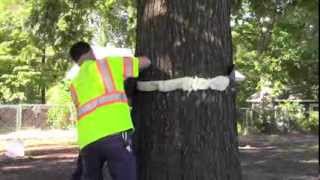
[(298, 118), (282, 118), (312, 125), (59, 115)]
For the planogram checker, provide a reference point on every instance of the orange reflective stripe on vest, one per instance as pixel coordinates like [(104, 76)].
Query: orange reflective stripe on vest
[(106, 75), (74, 96), (128, 67), (101, 101)]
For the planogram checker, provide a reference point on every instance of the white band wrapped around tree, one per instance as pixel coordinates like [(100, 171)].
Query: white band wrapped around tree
[(219, 83)]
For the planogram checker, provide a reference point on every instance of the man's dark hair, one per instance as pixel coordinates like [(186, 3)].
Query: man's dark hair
[(78, 49)]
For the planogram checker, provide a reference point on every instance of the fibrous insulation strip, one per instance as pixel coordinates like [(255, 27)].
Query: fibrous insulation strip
[(219, 83)]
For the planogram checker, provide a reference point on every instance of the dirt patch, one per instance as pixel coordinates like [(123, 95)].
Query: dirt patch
[(42, 161), (293, 157)]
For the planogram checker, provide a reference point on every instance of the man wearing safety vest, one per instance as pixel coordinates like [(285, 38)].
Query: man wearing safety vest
[(103, 112)]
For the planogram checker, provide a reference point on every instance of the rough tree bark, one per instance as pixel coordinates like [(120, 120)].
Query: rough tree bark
[(181, 135)]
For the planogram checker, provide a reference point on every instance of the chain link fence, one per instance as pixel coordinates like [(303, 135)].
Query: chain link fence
[(278, 120), (250, 120), (35, 116)]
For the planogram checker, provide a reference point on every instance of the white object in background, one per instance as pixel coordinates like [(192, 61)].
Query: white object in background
[(239, 77), (14, 148), (100, 52), (72, 72)]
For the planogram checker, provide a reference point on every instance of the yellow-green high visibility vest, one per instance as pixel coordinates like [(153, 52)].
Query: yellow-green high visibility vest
[(99, 96)]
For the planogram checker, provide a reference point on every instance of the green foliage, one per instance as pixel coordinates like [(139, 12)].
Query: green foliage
[(293, 115), (19, 78), (35, 37), (18, 86), (282, 118), (276, 45), (312, 125), (114, 22), (60, 115), (58, 23), (264, 118), (300, 119)]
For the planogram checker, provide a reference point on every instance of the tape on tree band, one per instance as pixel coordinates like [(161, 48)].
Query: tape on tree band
[(219, 83)]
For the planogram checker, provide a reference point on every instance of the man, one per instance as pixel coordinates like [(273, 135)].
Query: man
[(103, 112)]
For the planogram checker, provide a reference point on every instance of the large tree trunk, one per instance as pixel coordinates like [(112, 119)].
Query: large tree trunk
[(181, 135)]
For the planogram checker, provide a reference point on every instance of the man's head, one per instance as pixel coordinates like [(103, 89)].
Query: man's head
[(79, 51)]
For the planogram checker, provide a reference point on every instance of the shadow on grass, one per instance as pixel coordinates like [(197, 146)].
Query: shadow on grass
[(291, 158)]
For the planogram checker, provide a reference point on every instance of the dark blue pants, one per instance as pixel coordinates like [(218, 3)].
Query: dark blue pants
[(114, 150)]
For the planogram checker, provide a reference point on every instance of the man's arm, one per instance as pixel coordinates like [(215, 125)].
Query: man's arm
[(134, 65)]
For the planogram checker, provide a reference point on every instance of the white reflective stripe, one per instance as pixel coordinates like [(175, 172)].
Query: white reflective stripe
[(128, 67), (108, 98), (106, 75)]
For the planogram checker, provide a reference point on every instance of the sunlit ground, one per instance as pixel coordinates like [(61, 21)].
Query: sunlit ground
[(290, 157), (51, 155)]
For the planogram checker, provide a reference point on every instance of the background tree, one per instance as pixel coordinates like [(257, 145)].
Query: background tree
[(19, 73), (277, 40), (35, 37), (186, 135), (276, 45)]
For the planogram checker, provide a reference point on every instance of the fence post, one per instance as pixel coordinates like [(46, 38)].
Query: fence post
[(251, 120), (288, 119), (246, 122), (18, 117)]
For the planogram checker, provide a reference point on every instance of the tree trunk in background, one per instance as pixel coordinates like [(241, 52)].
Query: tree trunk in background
[(43, 87), (181, 135)]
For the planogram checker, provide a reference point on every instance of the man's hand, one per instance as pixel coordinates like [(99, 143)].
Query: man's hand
[(144, 62)]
